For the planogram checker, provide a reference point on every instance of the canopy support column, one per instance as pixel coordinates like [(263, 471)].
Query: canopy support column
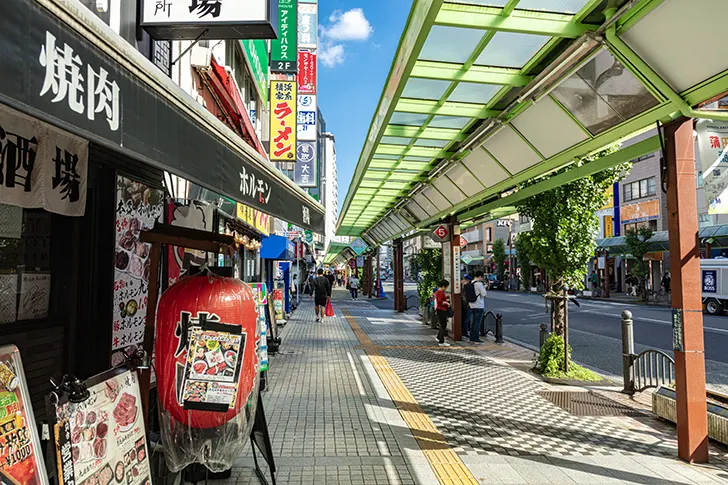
[(370, 276), (687, 314), (399, 300), (451, 259), (378, 279)]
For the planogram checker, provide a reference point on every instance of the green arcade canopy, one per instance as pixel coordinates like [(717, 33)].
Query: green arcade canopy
[(484, 95)]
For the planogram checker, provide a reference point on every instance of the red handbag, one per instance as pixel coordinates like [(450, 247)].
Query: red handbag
[(329, 308)]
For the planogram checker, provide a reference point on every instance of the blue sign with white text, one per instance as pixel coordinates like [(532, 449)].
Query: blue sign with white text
[(710, 281)]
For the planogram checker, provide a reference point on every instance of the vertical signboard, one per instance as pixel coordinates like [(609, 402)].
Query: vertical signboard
[(306, 72), (306, 161), (283, 121), (306, 118), (256, 51), (713, 150), (284, 49), (307, 25), (456, 283)]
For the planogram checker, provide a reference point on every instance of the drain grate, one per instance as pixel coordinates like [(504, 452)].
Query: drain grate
[(580, 403)]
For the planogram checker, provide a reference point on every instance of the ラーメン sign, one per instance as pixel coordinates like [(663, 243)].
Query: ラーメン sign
[(217, 19), (283, 50), (283, 120)]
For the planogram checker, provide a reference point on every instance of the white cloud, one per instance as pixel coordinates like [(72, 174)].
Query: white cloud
[(343, 27), (331, 55), (349, 25)]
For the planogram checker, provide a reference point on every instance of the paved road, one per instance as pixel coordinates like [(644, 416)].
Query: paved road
[(595, 331)]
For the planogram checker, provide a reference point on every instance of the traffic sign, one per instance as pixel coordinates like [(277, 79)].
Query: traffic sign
[(358, 246), (463, 242), (441, 234)]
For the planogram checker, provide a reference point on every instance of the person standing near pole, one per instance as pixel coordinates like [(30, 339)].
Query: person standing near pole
[(468, 295), (321, 294), (442, 309), (477, 308)]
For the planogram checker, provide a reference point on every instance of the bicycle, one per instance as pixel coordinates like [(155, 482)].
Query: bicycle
[(659, 296)]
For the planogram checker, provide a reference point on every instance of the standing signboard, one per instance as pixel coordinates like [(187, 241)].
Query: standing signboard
[(712, 144), (260, 291), (283, 50), (21, 459), (102, 440), (138, 207), (447, 264), (283, 121)]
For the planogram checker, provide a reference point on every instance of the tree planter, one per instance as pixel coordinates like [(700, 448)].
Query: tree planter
[(663, 405)]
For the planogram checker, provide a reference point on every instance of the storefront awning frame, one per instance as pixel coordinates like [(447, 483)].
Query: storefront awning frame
[(72, 23), (716, 236), (586, 39)]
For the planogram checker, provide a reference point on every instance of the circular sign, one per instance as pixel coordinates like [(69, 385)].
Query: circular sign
[(305, 101), (305, 152)]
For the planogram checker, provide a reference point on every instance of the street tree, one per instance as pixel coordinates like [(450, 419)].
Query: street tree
[(499, 256), (564, 226), (637, 242), (429, 262), (523, 252)]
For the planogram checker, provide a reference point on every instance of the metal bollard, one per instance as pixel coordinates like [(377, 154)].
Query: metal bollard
[(627, 352), (543, 335), (498, 328)]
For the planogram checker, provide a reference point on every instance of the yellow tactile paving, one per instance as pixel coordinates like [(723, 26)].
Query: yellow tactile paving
[(447, 465)]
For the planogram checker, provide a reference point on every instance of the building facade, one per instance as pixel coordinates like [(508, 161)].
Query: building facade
[(329, 186)]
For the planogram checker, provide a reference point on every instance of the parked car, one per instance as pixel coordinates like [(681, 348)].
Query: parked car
[(494, 283)]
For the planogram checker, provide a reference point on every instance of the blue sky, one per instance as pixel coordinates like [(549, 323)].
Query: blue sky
[(358, 44)]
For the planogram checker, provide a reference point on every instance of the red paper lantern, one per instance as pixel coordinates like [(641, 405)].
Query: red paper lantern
[(223, 300)]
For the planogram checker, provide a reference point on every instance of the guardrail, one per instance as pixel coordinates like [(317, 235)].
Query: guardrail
[(493, 323), (651, 368)]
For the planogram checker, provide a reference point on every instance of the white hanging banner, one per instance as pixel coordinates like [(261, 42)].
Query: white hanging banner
[(41, 166), (713, 151)]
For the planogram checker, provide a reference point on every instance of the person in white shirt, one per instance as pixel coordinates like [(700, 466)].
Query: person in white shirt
[(477, 308), (354, 286)]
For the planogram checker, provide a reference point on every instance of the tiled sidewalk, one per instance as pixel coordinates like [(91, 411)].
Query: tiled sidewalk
[(382, 404)]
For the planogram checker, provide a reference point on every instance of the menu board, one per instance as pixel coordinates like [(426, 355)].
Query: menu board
[(138, 207), (213, 367), (102, 440), (20, 458)]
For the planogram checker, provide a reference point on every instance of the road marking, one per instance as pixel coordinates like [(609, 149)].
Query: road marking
[(447, 465), (359, 385)]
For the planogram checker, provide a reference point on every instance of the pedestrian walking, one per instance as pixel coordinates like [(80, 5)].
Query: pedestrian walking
[(322, 293), (594, 280), (468, 297), (666, 282), (354, 286), (477, 307), (308, 289), (442, 308)]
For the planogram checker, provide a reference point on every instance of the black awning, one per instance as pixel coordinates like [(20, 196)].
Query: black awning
[(139, 113)]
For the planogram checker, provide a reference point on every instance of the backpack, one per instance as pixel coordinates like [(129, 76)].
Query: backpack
[(470, 295)]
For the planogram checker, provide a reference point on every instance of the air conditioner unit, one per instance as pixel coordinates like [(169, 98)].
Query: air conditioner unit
[(200, 56)]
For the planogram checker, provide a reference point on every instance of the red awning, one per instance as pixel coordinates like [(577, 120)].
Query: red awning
[(229, 95)]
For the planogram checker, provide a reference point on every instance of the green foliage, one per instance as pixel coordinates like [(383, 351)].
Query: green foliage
[(551, 362), (414, 269), (429, 262), (523, 251), (564, 222), (637, 242), (499, 256)]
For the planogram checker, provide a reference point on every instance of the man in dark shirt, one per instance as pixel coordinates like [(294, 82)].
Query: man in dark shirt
[(321, 294)]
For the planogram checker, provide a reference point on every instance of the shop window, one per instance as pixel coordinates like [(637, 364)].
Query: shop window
[(705, 220), (641, 188), (25, 268)]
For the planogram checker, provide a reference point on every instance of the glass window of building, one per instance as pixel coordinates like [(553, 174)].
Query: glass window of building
[(641, 188)]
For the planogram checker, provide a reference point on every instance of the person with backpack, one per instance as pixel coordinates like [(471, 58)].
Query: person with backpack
[(468, 297), (477, 307), (321, 294)]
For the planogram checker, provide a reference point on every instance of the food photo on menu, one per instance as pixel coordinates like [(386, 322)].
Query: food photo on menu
[(107, 436), (213, 369)]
